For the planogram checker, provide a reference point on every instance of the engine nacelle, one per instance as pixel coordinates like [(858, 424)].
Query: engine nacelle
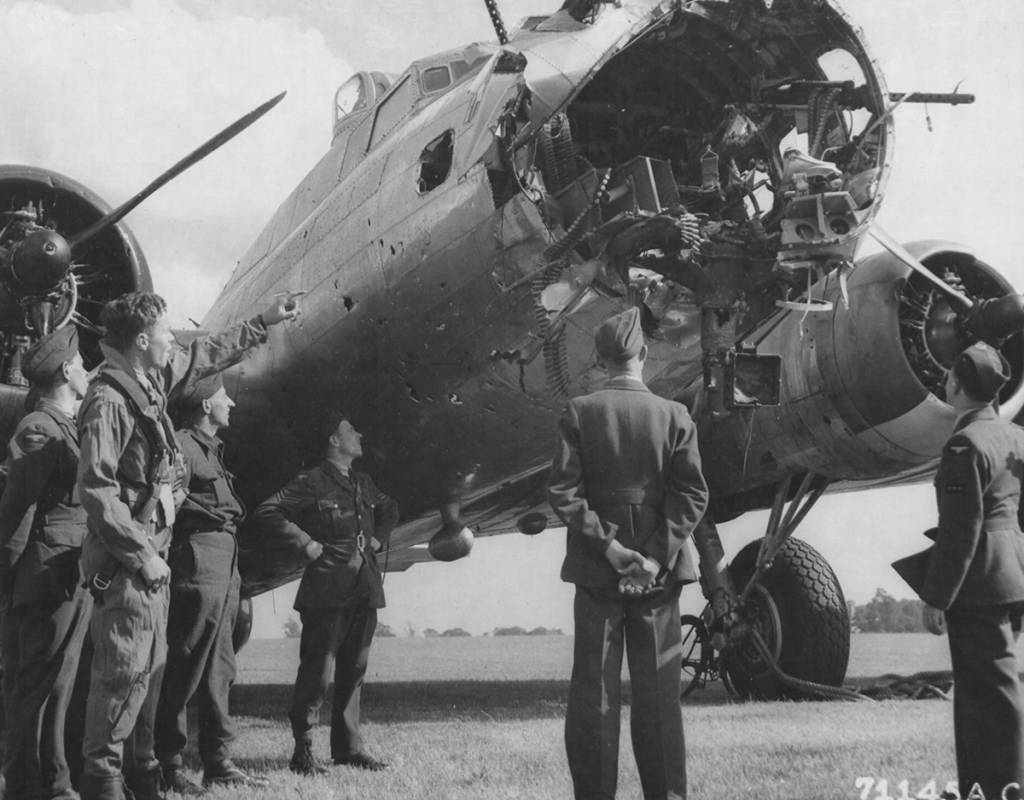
[(862, 385), (43, 286)]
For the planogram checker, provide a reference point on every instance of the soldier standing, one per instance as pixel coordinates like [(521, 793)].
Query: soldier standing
[(204, 599), (338, 519), (626, 480), (974, 573), (126, 470), (42, 525)]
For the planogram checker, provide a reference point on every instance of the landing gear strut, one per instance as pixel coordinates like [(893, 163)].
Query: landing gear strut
[(776, 624)]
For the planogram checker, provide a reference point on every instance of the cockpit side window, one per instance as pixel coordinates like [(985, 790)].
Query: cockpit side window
[(434, 79), (381, 82), (393, 109)]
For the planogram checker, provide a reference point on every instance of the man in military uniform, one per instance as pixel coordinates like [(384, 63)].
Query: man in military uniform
[(338, 519), (203, 599), (974, 573), (42, 526), (626, 480), (126, 471)]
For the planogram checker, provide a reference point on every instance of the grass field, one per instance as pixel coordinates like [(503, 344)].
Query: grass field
[(506, 658), (481, 719)]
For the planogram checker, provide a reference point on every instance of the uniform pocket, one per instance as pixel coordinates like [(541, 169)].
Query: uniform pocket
[(64, 534), (182, 561)]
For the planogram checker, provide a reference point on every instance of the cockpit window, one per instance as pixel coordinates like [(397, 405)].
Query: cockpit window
[(350, 96), (393, 109), (461, 67), (435, 79)]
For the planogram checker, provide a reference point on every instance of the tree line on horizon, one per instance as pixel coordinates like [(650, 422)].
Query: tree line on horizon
[(882, 614), (293, 630), (887, 614)]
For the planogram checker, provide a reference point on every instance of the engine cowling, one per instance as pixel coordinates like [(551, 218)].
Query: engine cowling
[(43, 285), (862, 385)]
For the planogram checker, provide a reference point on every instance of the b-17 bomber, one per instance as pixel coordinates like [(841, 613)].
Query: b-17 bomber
[(716, 163)]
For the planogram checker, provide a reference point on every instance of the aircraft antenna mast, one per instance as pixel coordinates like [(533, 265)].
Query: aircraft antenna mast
[(499, 26)]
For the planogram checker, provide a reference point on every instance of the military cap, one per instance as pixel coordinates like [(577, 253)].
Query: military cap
[(981, 371), (619, 338), (42, 360), (196, 391)]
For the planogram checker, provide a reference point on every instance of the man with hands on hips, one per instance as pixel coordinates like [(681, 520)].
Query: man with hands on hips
[(340, 521)]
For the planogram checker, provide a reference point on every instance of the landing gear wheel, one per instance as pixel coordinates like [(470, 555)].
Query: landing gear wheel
[(799, 611), (696, 654), (243, 624)]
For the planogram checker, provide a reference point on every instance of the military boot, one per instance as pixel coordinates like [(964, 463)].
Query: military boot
[(175, 780), (146, 784), (304, 762), (102, 787)]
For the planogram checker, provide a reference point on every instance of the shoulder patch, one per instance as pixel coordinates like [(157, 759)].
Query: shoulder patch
[(958, 449), (35, 432), (33, 440)]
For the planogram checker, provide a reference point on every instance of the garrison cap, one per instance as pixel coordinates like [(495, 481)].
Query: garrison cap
[(196, 391), (981, 370), (619, 338), (42, 360)]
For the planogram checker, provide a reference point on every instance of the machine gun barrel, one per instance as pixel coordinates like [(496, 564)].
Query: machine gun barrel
[(951, 98)]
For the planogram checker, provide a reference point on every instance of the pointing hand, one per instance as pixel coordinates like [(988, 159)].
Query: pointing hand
[(284, 307)]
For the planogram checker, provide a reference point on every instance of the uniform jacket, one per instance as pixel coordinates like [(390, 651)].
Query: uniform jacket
[(116, 454), (211, 503), (978, 555), (332, 508), (42, 523), (627, 467)]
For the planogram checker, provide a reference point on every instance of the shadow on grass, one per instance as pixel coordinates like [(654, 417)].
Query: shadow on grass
[(433, 701)]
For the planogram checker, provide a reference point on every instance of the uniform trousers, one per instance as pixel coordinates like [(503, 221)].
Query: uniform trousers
[(338, 638), (43, 649), (129, 635), (649, 629), (988, 711), (200, 653)]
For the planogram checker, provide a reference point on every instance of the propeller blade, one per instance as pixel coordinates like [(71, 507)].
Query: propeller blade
[(901, 253), (194, 157)]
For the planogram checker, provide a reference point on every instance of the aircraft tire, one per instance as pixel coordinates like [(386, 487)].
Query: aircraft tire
[(801, 614), (696, 653), (243, 624)]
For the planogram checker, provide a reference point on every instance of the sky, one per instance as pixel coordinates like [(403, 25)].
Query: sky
[(113, 92)]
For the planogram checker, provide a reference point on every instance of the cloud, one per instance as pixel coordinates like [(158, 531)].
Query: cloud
[(114, 97)]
